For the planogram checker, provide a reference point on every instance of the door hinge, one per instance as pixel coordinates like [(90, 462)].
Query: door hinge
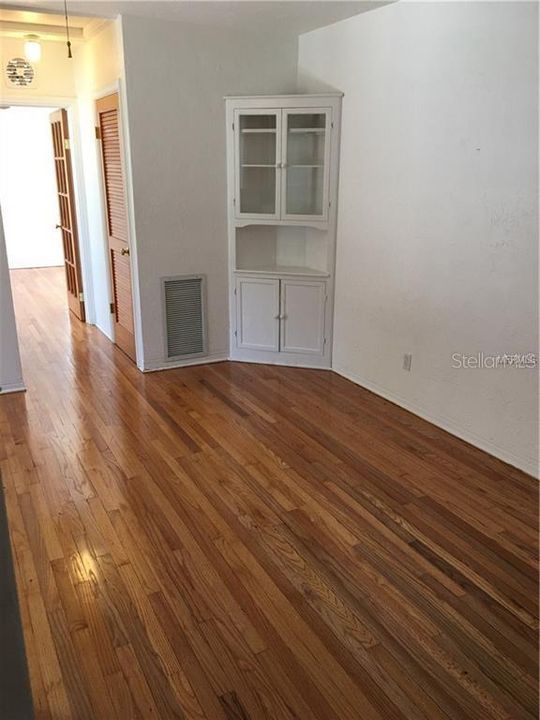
[(331, 124), (67, 145), (324, 341), (81, 297), (111, 308), (235, 291), (98, 132), (233, 126), (234, 201), (236, 333)]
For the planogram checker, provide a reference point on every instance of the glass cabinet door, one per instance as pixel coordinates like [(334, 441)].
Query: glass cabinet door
[(258, 154), (306, 154)]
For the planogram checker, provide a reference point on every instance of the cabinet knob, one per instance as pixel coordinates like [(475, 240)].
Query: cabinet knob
[(124, 251)]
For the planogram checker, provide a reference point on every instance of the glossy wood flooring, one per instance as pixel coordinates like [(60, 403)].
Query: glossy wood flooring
[(240, 541)]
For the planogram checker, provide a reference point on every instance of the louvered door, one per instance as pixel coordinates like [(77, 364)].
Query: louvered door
[(68, 215), (117, 226)]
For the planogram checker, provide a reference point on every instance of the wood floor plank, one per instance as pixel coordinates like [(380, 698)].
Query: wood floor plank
[(245, 542)]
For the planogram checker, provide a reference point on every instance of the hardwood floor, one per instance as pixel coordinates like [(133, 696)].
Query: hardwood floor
[(241, 541)]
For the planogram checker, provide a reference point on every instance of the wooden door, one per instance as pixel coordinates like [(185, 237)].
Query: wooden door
[(257, 324), (68, 214), (108, 133), (302, 316)]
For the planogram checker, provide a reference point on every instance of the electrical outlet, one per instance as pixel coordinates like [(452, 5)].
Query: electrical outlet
[(407, 362)]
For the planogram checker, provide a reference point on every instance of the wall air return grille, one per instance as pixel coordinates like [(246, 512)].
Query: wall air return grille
[(185, 316)]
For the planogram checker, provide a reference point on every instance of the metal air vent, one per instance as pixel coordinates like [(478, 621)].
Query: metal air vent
[(184, 316)]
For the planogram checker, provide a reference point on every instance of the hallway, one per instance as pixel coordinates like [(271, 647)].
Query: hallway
[(242, 541)]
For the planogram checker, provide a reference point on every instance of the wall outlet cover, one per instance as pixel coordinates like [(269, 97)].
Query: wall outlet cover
[(407, 361)]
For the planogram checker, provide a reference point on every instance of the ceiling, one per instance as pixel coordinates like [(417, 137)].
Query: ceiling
[(14, 23), (290, 15)]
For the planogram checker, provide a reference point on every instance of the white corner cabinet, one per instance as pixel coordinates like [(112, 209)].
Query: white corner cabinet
[(282, 174)]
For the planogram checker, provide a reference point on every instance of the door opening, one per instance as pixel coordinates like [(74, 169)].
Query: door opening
[(37, 197)]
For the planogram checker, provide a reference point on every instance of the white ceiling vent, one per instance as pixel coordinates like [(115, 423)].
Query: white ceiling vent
[(19, 73), (185, 316)]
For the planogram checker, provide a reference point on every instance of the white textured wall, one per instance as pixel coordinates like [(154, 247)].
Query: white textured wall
[(10, 364), (176, 77), (28, 188), (437, 240)]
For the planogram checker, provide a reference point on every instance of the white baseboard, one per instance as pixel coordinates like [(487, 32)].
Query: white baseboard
[(155, 366), (529, 465), (12, 388)]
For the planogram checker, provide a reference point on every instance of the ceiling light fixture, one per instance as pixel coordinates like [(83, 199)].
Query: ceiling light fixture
[(68, 41), (32, 48)]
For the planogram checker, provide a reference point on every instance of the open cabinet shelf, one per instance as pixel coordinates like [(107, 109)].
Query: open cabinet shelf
[(278, 249)]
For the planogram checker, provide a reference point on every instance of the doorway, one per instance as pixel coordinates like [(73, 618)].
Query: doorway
[(38, 200)]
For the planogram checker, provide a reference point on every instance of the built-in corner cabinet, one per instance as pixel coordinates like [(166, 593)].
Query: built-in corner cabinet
[(282, 160)]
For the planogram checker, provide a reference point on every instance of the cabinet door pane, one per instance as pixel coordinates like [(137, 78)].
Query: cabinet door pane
[(306, 159), (257, 312), (258, 147), (302, 313)]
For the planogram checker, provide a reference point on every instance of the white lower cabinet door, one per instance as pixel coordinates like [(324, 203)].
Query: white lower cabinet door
[(257, 314), (302, 316)]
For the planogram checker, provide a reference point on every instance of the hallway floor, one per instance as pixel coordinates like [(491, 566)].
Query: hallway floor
[(242, 541)]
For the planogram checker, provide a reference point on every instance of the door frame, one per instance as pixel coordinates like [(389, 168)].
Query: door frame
[(119, 87)]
